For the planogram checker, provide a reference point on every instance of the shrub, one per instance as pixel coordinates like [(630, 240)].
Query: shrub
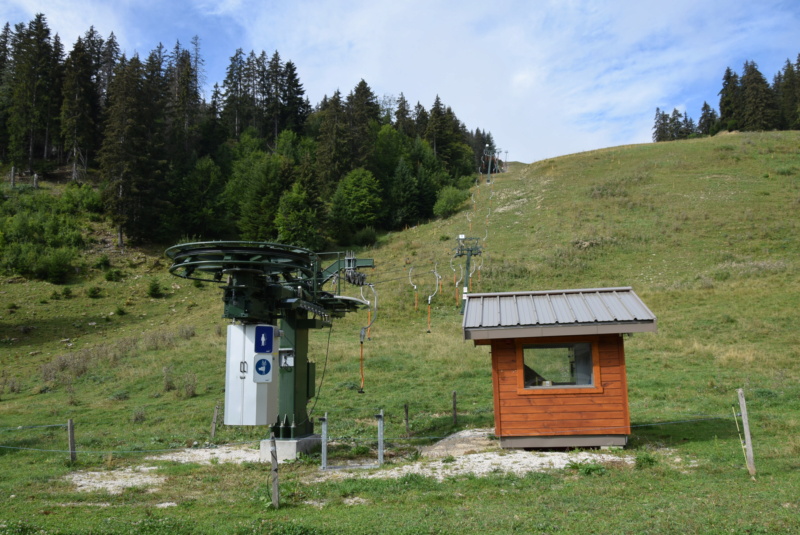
[(113, 275), (645, 459), (154, 289), (169, 384), (93, 292), (189, 387), (103, 262), (365, 237), (448, 201)]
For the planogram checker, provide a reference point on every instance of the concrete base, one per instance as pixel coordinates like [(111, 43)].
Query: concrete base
[(289, 449), (564, 441)]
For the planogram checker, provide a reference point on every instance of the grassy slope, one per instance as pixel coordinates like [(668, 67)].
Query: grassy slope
[(704, 230)]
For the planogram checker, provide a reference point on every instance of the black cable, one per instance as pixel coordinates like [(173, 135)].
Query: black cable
[(324, 368)]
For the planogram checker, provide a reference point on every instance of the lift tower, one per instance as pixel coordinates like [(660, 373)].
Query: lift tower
[(273, 293)]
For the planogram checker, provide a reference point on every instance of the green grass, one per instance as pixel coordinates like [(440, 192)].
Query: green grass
[(706, 231)]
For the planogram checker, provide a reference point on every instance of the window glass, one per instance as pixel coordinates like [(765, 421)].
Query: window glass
[(558, 365)]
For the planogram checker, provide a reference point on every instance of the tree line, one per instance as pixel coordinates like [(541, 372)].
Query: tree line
[(747, 102), (256, 160)]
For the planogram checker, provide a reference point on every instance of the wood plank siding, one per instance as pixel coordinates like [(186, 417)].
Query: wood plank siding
[(600, 410)]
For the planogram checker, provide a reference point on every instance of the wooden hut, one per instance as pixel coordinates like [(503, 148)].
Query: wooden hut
[(558, 363)]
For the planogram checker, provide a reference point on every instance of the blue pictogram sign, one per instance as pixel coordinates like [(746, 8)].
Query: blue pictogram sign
[(263, 366), (264, 339)]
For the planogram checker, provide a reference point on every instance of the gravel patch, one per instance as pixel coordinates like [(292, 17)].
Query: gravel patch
[(115, 481), (509, 462), (221, 454)]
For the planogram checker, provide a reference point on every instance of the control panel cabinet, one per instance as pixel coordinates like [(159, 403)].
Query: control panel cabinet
[(251, 375)]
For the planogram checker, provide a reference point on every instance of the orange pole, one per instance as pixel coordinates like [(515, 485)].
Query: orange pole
[(369, 322)]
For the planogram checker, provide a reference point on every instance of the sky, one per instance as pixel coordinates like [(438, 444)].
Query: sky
[(545, 77)]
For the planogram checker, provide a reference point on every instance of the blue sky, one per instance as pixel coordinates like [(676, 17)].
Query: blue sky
[(546, 77)]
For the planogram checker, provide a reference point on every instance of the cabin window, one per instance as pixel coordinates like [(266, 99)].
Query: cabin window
[(552, 366)]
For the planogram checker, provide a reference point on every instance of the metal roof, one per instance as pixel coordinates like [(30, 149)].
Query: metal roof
[(555, 313)]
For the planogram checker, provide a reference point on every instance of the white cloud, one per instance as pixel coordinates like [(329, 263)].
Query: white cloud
[(546, 77)]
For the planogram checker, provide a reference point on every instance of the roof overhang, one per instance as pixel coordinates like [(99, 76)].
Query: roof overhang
[(492, 316)]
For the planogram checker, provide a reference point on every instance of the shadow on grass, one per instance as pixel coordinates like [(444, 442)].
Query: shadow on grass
[(673, 434)]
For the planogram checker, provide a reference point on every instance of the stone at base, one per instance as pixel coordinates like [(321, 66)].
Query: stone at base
[(289, 449)]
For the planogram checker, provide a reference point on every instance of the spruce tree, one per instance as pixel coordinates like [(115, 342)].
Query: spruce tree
[(78, 108), (730, 100), (31, 87), (296, 107), (707, 125), (402, 117), (362, 113), (6, 73), (758, 101), (296, 221), (332, 151)]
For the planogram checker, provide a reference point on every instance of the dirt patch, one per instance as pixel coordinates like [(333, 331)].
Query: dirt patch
[(222, 454), (468, 452), (115, 481), (461, 443)]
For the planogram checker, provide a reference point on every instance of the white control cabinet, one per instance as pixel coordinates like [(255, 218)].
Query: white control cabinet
[(251, 375)]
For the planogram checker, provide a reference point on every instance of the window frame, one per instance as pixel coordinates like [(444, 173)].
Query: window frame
[(595, 388)]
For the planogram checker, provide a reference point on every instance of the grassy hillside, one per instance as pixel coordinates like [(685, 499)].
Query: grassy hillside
[(706, 231)]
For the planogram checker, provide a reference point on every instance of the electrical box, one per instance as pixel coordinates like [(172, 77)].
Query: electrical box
[(251, 375)]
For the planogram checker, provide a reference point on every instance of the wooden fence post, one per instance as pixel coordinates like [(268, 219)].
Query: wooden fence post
[(214, 421), (455, 409), (73, 455), (748, 443), (405, 409), (273, 450)]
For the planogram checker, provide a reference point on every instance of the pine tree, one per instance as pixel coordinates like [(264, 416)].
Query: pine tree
[(356, 204), (183, 103), (436, 126), (758, 100), (109, 56), (402, 117), (78, 108), (675, 124), (6, 73), (405, 196), (31, 87), (362, 113), (786, 87), (274, 93), (332, 157), (235, 96), (124, 152), (296, 221), (420, 121), (730, 100), (707, 125), (296, 107)]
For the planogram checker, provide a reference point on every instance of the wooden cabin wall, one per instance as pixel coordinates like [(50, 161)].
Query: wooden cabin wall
[(604, 413)]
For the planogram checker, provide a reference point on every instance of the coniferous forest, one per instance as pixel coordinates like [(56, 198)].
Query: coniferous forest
[(747, 103), (140, 144)]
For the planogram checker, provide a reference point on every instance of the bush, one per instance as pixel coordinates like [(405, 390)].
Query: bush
[(154, 289), (365, 237), (103, 262), (448, 201), (113, 275), (93, 292)]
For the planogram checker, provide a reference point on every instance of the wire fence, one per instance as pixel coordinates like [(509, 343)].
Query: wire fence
[(345, 425)]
